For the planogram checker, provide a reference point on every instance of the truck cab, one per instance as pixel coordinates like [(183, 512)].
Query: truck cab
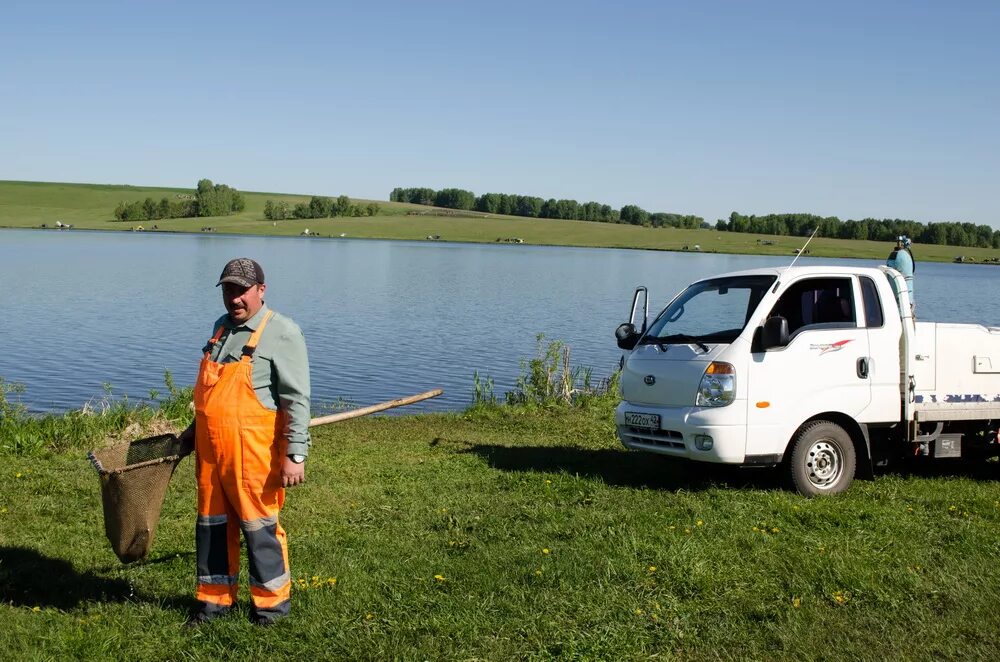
[(804, 367)]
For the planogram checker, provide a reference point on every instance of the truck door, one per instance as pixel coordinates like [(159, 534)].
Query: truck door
[(885, 344), (824, 367)]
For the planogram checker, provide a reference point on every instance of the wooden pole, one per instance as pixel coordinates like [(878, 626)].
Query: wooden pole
[(382, 406)]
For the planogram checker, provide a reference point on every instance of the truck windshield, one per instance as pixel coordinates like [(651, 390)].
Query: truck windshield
[(710, 311)]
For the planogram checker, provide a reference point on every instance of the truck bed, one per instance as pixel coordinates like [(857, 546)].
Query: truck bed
[(956, 369)]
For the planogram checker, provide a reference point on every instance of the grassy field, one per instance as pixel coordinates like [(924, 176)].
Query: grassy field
[(90, 206), (521, 534)]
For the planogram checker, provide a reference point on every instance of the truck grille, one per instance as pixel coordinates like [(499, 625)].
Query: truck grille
[(664, 438)]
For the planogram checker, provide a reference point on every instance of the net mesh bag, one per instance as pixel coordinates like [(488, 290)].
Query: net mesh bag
[(134, 478)]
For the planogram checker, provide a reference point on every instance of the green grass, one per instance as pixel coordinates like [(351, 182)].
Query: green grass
[(90, 206), (550, 541)]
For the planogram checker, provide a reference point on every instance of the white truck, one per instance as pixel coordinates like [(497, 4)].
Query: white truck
[(822, 371)]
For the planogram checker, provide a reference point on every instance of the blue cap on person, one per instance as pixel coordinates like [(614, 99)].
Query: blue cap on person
[(242, 271)]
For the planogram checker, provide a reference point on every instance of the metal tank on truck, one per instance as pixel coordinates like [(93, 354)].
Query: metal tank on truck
[(819, 370)]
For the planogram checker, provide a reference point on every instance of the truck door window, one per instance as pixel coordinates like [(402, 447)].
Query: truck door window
[(873, 306), (817, 301)]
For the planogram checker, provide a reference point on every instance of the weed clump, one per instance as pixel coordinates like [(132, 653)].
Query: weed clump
[(549, 380), (24, 433)]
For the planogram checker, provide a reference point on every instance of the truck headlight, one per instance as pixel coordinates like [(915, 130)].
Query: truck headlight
[(718, 385)]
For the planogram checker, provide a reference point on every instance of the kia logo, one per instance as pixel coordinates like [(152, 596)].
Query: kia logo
[(650, 380)]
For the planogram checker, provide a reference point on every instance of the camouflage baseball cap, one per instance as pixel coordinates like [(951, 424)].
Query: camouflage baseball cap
[(242, 271)]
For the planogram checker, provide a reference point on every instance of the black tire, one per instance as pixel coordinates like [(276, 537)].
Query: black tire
[(823, 459)]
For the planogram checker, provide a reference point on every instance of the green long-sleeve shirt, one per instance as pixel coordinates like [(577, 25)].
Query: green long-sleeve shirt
[(280, 369)]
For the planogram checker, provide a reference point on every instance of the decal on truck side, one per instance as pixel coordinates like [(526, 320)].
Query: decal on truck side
[(831, 347), (956, 397)]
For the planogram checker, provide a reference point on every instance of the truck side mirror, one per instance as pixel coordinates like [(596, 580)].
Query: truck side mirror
[(627, 336), (774, 333)]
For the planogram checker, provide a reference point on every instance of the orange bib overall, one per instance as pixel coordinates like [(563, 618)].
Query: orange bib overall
[(240, 448)]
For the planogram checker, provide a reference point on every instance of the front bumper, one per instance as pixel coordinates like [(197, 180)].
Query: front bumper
[(679, 426)]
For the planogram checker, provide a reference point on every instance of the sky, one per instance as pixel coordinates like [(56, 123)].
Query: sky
[(852, 109)]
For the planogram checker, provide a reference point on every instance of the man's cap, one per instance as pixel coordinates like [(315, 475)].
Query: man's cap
[(242, 271)]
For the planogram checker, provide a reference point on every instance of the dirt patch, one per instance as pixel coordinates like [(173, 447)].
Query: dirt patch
[(137, 430)]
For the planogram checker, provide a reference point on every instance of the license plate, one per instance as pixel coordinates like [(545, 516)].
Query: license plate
[(638, 420)]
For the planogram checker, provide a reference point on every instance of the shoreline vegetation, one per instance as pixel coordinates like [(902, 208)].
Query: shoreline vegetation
[(548, 380), (58, 206), (518, 529)]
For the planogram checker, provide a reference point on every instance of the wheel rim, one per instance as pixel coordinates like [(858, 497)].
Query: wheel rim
[(824, 464)]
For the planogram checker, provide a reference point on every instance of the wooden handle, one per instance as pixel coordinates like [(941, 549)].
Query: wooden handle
[(382, 406)]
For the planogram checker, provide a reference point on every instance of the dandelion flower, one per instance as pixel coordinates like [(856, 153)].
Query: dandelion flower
[(440, 578), (18, 475), (548, 482), (545, 550), (652, 568), (538, 573), (638, 612), (369, 616), (35, 609), (796, 602), (698, 523)]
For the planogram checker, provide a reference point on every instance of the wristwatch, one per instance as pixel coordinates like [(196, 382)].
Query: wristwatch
[(297, 459)]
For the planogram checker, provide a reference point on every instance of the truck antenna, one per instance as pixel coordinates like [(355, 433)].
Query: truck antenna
[(798, 254)]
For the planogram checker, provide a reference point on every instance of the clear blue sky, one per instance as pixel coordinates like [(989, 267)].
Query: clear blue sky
[(853, 109)]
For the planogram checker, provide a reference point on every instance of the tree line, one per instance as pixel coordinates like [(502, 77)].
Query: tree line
[(209, 200), (535, 207), (885, 229), (317, 207)]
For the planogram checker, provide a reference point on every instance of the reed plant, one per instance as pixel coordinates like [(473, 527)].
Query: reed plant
[(549, 379)]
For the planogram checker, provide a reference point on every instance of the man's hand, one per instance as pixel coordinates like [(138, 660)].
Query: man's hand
[(292, 474), (187, 440)]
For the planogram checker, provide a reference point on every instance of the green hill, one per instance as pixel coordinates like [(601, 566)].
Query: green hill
[(91, 206)]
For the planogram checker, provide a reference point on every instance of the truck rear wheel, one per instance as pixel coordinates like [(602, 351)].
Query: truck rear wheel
[(823, 459)]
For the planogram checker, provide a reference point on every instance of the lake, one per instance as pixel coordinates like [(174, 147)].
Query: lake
[(382, 319)]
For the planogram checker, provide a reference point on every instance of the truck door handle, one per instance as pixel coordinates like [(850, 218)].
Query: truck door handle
[(863, 367)]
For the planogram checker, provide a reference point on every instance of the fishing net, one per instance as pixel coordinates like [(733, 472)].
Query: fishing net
[(134, 478)]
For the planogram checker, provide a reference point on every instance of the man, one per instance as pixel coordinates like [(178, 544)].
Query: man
[(901, 259), (251, 438)]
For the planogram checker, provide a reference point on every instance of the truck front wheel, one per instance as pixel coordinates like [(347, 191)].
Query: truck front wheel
[(823, 459)]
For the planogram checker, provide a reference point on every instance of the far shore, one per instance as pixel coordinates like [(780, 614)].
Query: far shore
[(699, 241), (32, 205)]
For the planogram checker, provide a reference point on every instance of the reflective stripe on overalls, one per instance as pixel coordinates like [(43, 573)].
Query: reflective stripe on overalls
[(240, 448)]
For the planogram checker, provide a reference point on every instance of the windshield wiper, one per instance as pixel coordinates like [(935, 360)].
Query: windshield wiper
[(678, 337)]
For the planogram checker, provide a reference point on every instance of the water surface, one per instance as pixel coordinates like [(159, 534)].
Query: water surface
[(382, 319)]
